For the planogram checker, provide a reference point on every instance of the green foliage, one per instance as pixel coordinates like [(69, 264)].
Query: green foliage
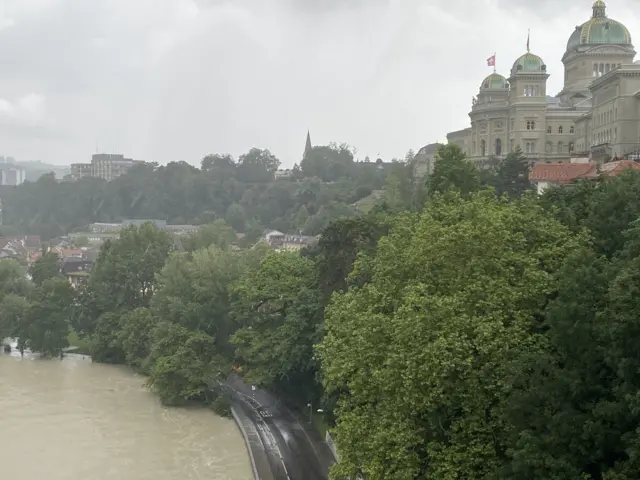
[(13, 279), (452, 171), (183, 364), (135, 336), (423, 355), (278, 310), (459, 334), (218, 233), (242, 193), (13, 312), (510, 175), (192, 291), (123, 277), (46, 267), (44, 327)]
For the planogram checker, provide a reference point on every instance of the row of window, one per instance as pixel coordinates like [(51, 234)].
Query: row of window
[(600, 69), (531, 125), (572, 129), (605, 136), (529, 147), (604, 118), (531, 90)]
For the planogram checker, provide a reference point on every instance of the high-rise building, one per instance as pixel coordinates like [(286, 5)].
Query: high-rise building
[(104, 165)]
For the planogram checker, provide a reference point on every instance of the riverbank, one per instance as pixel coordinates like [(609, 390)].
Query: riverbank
[(82, 347)]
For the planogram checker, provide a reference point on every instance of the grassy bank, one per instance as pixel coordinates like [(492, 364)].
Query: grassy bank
[(83, 346)]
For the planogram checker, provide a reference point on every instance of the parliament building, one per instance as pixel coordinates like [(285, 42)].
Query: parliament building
[(596, 115)]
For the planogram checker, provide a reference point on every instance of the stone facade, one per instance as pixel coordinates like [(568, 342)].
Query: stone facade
[(595, 115)]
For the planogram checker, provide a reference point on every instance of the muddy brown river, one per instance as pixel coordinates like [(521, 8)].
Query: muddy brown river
[(75, 419)]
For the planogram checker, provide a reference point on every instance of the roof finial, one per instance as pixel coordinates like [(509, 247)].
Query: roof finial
[(599, 9), (528, 37)]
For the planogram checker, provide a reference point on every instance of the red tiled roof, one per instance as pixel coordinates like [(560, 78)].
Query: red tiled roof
[(562, 172), (617, 167)]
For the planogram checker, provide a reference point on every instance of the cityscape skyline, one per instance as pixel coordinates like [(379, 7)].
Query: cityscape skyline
[(192, 78)]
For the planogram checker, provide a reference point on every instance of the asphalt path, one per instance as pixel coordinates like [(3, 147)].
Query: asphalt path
[(294, 450)]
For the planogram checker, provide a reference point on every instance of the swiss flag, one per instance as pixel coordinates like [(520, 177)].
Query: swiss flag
[(491, 61)]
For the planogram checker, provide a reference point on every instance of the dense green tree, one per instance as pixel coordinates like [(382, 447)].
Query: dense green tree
[(338, 248), (278, 309), (236, 217), (329, 163), (180, 193), (257, 166), (124, 275), (192, 291), (45, 325), (302, 217), (512, 174), (606, 208), (13, 279), (44, 268), (13, 310), (184, 364), (422, 356), (452, 170), (135, 337), (218, 233)]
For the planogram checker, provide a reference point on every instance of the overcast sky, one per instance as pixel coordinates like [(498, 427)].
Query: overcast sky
[(164, 80)]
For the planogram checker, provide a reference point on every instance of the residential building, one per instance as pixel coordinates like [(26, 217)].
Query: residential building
[(284, 242), (21, 248), (99, 232), (104, 165), (12, 176), (76, 270), (595, 114)]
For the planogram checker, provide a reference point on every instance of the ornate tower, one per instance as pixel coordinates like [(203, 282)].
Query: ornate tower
[(594, 48), (528, 104)]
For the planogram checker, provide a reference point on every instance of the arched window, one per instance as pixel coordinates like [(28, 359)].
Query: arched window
[(483, 148), (549, 129), (548, 147), (572, 130), (560, 147), (570, 147), (498, 146), (560, 129)]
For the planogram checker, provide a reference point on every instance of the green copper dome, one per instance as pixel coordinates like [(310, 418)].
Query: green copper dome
[(494, 81), (528, 63), (599, 30)]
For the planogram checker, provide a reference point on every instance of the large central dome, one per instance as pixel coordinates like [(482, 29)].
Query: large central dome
[(599, 30)]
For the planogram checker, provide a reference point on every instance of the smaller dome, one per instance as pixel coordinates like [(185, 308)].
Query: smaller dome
[(528, 63), (494, 81)]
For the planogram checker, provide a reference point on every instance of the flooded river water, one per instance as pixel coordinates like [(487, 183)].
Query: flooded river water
[(75, 419)]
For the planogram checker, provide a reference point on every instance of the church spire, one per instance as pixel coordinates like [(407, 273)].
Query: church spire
[(307, 147)]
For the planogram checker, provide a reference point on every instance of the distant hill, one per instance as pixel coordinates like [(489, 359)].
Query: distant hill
[(35, 169)]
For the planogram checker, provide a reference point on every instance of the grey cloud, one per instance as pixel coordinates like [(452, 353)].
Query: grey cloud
[(176, 79)]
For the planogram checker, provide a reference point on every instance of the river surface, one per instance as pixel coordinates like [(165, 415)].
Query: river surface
[(76, 419)]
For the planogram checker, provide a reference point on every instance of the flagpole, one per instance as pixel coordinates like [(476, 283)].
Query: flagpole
[(494, 62)]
